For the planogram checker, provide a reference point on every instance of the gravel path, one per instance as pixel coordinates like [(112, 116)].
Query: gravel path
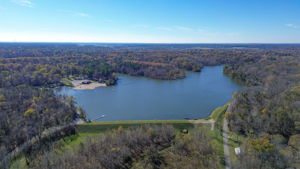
[(225, 141)]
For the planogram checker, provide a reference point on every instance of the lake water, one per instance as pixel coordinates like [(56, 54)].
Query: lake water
[(140, 98)]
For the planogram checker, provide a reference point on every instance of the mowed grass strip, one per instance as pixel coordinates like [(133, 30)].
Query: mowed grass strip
[(99, 127)]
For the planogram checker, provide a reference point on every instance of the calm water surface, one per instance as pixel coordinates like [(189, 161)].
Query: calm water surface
[(139, 98)]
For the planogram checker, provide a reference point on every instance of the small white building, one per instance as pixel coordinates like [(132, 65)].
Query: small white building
[(237, 150)]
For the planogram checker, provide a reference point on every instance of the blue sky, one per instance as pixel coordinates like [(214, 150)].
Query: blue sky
[(150, 21)]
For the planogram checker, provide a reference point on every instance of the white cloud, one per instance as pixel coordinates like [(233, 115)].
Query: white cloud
[(290, 25), (164, 28), (74, 13), (81, 14), (183, 28), (25, 3)]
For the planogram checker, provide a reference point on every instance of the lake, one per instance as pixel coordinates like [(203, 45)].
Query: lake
[(140, 98)]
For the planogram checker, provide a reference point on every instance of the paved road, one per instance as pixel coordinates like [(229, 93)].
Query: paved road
[(225, 142)]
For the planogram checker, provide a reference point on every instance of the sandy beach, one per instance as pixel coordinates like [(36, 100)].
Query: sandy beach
[(79, 86)]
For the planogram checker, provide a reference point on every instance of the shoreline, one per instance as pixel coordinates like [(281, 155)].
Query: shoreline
[(89, 86), (212, 118), (77, 85)]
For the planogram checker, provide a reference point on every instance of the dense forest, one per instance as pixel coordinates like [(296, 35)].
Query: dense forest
[(28, 112), (267, 110)]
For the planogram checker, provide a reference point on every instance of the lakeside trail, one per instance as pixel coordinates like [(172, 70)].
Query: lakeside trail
[(225, 142)]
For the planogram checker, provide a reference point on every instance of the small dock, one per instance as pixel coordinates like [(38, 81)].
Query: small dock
[(101, 117)]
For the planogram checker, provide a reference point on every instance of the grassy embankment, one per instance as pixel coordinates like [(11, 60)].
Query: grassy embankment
[(234, 139), (97, 128)]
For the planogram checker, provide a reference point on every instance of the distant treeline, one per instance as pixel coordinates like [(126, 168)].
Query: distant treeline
[(47, 65), (268, 106)]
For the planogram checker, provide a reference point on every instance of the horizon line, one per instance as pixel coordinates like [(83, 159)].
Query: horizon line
[(179, 43)]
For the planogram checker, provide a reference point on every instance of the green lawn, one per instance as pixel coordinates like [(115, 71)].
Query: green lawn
[(98, 127)]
